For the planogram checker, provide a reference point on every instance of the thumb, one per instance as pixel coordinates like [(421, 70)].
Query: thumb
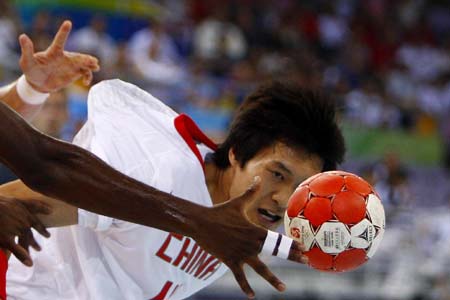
[(255, 184), (245, 197), (27, 49)]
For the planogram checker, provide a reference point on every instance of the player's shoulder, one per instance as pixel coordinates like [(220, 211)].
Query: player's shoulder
[(118, 95), (121, 110)]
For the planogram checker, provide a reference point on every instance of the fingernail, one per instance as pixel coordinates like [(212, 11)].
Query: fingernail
[(251, 295), (281, 287), (28, 262)]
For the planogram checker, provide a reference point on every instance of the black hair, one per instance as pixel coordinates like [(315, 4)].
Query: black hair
[(284, 112)]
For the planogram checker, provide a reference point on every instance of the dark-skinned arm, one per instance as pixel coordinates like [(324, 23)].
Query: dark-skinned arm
[(74, 175), (64, 171)]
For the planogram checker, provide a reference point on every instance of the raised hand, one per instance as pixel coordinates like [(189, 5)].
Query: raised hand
[(238, 241), (54, 68), (17, 219)]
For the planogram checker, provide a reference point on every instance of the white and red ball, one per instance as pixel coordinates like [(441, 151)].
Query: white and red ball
[(339, 218)]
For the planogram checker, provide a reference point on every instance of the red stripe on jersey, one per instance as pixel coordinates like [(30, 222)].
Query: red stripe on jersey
[(3, 269), (192, 135)]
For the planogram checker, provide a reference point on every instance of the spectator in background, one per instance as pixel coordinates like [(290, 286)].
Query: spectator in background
[(218, 41), (121, 67), (445, 137), (368, 106), (77, 94), (433, 96), (424, 60), (8, 33), (434, 229), (402, 91), (353, 60), (94, 39), (53, 115), (384, 45), (333, 30), (440, 289), (400, 86), (154, 56), (409, 12), (41, 30), (391, 179)]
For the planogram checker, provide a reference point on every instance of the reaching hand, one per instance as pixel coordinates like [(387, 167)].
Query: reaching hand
[(237, 241), (17, 219), (54, 68)]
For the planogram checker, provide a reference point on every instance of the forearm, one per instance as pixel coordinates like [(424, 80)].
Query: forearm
[(10, 96), (81, 179), (72, 174)]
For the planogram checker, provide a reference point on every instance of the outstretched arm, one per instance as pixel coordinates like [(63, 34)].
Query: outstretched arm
[(46, 72), (70, 173)]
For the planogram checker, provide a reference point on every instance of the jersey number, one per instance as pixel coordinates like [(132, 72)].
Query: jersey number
[(165, 290)]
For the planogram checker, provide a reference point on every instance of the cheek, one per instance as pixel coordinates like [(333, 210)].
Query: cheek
[(241, 182), (238, 187)]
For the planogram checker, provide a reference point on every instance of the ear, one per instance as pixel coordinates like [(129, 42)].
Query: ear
[(232, 158)]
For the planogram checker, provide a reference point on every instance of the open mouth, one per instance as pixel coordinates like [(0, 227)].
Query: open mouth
[(269, 216)]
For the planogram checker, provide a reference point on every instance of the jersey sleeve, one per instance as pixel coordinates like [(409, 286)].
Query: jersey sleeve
[(3, 269)]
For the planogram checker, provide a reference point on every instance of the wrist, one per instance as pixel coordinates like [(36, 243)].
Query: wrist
[(197, 221), (37, 88), (28, 93)]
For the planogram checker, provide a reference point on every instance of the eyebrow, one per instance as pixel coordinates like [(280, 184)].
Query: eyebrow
[(283, 167)]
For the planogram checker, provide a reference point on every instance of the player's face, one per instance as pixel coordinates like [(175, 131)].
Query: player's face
[(281, 169)]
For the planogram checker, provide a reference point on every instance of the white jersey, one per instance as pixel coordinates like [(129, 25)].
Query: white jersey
[(103, 258)]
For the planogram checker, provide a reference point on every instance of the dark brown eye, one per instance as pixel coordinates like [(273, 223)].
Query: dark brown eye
[(278, 175)]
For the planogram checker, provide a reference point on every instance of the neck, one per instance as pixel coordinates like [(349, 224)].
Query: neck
[(218, 182)]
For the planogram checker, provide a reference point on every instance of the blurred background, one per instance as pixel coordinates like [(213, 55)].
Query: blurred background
[(386, 64)]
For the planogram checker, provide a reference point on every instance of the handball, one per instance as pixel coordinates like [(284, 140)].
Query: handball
[(338, 217)]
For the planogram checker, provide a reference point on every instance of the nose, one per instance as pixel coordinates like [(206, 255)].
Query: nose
[(282, 196)]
